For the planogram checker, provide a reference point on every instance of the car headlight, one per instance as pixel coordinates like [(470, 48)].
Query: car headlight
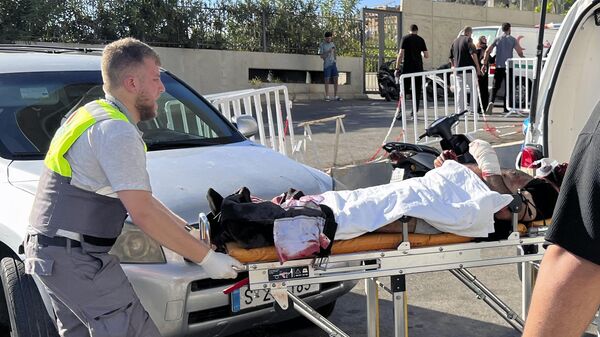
[(134, 246)]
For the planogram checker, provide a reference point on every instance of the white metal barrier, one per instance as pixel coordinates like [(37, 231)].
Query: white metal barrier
[(519, 84), (254, 102), (439, 96)]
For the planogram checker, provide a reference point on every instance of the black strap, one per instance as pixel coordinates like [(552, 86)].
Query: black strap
[(329, 229), (62, 241), (96, 241), (538, 210)]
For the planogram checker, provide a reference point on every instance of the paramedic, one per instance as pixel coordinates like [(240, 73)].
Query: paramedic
[(567, 291), (504, 50), (94, 175)]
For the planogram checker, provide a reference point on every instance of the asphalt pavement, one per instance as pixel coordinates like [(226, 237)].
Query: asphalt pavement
[(367, 122)]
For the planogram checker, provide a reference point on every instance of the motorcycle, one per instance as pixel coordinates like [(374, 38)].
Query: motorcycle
[(416, 160), (389, 87), (387, 82)]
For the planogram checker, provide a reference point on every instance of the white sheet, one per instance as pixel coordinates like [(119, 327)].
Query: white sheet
[(451, 198)]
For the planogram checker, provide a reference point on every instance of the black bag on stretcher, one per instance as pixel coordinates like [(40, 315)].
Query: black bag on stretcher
[(295, 228)]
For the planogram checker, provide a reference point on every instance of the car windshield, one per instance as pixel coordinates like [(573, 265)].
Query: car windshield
[(33, 105), (489, 33)]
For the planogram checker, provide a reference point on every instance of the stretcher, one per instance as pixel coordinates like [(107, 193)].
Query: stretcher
[(374, 256)]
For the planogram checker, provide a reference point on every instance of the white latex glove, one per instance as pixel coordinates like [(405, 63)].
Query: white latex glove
[(485, 156), (219, 265)]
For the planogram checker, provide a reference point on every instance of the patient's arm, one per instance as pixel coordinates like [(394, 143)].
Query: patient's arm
[(498, 184), (508, 183)]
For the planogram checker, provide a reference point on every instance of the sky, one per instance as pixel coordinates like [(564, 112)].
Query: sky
[(374, 3)]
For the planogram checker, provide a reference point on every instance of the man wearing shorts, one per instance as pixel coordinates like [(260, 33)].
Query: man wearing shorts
[(330, 72)]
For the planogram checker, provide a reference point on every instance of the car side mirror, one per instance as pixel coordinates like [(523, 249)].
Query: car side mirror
[(246, 125)]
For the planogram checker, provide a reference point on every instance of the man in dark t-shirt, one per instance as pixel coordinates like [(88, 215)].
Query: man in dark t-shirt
[(464, 54), (567, 291), (411, 47)]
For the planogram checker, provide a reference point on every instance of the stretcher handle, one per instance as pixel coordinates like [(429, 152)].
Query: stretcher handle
[(204, 226), (236, 286)]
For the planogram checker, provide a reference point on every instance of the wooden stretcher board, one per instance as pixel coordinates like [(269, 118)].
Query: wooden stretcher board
[(364, 243)]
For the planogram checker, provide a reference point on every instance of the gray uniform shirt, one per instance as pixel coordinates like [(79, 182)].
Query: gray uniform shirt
[(109, 157), (504, 49), (327, 48)]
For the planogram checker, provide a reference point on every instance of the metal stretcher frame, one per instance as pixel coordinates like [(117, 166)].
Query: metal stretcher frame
[(396, 264)]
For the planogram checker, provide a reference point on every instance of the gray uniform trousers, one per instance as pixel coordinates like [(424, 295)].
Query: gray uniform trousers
[(90, 293)]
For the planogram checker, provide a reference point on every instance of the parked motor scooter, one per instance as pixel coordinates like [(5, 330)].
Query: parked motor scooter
[(387, 82), (416, 160)]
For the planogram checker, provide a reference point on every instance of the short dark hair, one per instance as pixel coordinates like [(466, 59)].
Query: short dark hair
[(123, 54), (505, 27), (414, 28), (328, 34)]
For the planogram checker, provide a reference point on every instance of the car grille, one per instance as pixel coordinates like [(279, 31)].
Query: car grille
[(210, 283)]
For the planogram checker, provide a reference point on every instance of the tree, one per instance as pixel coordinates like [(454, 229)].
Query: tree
[(255, 25)]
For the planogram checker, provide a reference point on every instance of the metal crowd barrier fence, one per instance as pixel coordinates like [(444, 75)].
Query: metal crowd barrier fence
[(519, 84), (256, 102), (439, 97)]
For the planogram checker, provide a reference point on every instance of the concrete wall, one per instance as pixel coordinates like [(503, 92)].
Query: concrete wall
[(213, 71), (440, 22)]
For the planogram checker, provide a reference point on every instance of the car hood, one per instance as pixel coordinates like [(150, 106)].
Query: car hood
[(181, 177)]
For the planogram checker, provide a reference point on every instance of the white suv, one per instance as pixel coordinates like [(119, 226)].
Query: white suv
[(191, 147)]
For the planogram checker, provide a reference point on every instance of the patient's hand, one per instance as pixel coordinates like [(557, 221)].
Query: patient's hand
[(446, 155)]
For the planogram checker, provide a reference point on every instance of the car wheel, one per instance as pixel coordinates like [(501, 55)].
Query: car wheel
[(26, 311)]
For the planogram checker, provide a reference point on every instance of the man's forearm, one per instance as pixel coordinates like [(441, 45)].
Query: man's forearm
[(486, 56), (476, 61), (565, 297), (164, 227), (399, 58), (152, 217)]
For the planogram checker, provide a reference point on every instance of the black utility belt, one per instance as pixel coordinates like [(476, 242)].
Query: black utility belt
[(62, 241)]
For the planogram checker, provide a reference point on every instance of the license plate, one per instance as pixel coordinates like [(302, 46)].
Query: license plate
[(244, 298)]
